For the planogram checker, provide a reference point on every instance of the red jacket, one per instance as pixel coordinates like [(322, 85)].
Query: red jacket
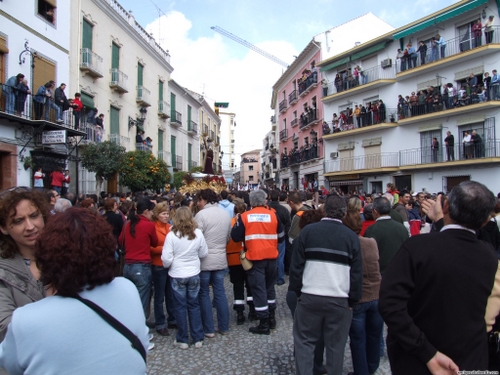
[(137, 249), (57, 179)]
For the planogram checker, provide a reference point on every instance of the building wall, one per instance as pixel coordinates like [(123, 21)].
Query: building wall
[(250, 167), (228, 123)]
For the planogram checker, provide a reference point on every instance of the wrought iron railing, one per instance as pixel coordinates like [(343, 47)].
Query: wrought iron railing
[(91, 61), (370, 75)]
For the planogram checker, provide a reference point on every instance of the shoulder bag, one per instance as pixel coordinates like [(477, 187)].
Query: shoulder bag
[(113, 322)]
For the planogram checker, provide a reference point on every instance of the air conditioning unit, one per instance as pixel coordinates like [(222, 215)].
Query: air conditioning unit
[(387, 63), (334, 155)]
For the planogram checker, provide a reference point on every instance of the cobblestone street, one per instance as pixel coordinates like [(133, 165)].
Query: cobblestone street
[(239, 352)]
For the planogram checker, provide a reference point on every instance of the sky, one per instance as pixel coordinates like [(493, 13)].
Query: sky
[(223, 70)]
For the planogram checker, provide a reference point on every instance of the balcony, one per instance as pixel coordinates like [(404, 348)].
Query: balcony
[(307, 85), (118, 81), (294, 122), (165, 156), (370, 122), (283, 135), (163, 109), (304, 154), (95, 134), (177, 163), (309, 119), (144, 147), (384, 162), (143, 96), (283, 106), (212, 135), (372, 78), (451, 107), (462, 47), (120, 140), (175, 118), (192, 164), (91, 63), (192, 127), (205, 129), (292, 97)]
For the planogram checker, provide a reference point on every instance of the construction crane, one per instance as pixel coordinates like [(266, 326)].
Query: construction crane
[(251, 46)]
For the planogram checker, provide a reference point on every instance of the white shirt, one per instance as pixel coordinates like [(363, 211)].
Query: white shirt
[(467, 139), (183, 255)]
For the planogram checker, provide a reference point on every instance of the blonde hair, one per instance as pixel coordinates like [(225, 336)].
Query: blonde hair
[(159, 208), (354, 204), (183, 223)]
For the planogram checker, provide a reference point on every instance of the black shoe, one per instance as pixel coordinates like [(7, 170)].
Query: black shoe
[(172, 326), (163, 331), (262, 328), (252, 315), (272, 320), (240, 319)]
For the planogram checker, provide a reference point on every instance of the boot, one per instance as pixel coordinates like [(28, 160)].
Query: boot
[(240, 319), (251, 314), (262, 328), (272, 320)]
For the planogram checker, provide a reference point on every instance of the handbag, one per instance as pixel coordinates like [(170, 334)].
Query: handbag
[(247, 264), (113, 322)]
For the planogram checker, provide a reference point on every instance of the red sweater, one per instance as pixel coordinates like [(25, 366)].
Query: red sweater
[(57, 179), (137, 249)]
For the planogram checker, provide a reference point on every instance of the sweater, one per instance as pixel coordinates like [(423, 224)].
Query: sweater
[(183, 255), (215, 224), (18, 287), (137, 249), (326, 261), (57, 179), (389, 235), (60, 335), (371, 270), (161, 232), (433, 298)]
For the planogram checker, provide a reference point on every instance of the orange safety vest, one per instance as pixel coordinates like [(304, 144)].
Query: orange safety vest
[(261, 233), (233, 249)]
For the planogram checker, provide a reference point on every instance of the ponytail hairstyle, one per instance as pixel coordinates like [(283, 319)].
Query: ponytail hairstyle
[(141, 206)]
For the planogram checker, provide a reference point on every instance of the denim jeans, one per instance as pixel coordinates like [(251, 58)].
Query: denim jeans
[(140, 275), (185, 293), (216, 278), (51, 105), (281, 261), (366, 328), (162, 292), (10, 99)]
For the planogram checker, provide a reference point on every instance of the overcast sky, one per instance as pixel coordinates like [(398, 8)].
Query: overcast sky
[(223, 70)]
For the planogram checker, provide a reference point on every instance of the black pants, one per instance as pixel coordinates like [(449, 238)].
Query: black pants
[(262, 277), (238, 277), (38, 109)]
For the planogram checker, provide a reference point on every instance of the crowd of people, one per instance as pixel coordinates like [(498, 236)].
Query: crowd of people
[(354, 261)]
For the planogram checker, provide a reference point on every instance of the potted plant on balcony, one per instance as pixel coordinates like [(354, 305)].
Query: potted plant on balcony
[(27, 162)]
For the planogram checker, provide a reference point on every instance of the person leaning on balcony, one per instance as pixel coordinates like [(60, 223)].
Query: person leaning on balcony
[(412, 56), (324, 85), (39, 100), (467, 142), (442, 44), (22, 93), (61, 100), (400, 58), (10, 90), (495, 81), (338, 82), (77, 106), (422, 49), (477, 33), (488, 29)]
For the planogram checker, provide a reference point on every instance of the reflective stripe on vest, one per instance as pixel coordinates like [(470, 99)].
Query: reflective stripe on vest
[(261, 237)]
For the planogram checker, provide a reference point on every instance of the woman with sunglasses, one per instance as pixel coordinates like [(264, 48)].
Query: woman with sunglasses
[(22, 218)]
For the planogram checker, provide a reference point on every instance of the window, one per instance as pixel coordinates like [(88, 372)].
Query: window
[(189, 116), (172, 101), (114, 119), (190, 157), (172, 150), (306, 141), (284, 123), (430, 155), (160, 140), (47, 10), (140, 74), (250, 178), (87, 35), (160, 91), (115, 56), (250, 167), (44, 71)]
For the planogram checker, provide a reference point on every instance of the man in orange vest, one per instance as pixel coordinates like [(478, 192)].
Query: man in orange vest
[(261, 230)]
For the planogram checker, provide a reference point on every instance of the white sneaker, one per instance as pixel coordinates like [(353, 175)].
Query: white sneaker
[(151, 346), (181, 345), (150, 337), (198, 344)]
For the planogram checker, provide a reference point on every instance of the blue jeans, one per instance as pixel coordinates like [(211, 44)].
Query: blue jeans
[(163, 292), (185, 293), (140, 275), (366, 328), (281, 261), (51, 105), (10, 99), (216, 278)]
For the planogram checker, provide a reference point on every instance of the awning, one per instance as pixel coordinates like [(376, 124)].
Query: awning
[(346, 183), (3, 45), (368, 51), (87, 101), (52, 3), (335, 64), (440, 18), (139, 127)]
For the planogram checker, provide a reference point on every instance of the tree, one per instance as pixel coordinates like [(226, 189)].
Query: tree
[(103, 159), (140, 170)]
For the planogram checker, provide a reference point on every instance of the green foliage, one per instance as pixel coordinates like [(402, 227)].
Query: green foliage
[(198, 169), (178, 179), (102, 158), (140, 170)]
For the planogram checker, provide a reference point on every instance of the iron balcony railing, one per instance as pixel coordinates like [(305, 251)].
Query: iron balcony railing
[(143, 147), (451, 47), (178, 162), (95, 134), (375, 161), (118, 80), (193, 127), (120, 140), (294, 122), (91, 62), (192, 164), (308, 118), (163, 108), (283, 106), (283, 135), (297, 156), (212, 135), (165, 156), (143, 96), (308, 83), (292, 97), (175, 117), (351, 122), (370, 75), (205, 129)]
